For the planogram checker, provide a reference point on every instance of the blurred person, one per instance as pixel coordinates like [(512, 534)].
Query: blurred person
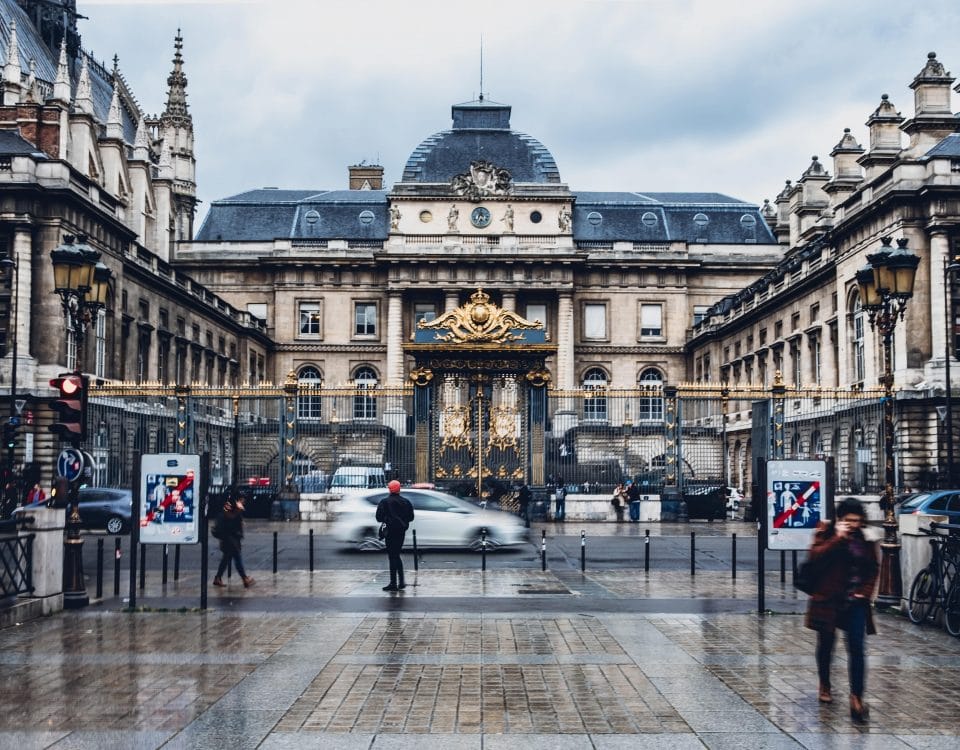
[(847, 574), (228, 529)]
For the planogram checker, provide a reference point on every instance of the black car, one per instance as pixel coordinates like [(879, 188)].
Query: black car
[(106, 508), (706, 501)]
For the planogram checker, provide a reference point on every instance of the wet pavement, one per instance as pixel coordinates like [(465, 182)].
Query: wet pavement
[(556, 659)]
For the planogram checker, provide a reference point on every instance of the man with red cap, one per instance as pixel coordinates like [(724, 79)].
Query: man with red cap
[(396, 512)]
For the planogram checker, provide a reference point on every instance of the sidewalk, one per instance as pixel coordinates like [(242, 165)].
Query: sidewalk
[(465, 659)]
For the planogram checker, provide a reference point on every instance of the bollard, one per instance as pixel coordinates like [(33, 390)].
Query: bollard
[(483, 548), (793, 560), (646, 551), (783, 566), (543, 549), (416, 562), (100, 568), (176, 562), (116, 566), (583, 551), (693, 553), (166, 557), (311, 550), (733, 562), (143, 566), (274, 551)]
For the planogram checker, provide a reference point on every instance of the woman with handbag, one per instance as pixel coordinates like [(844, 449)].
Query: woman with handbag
[(846, 572), (228, 529), (619, 501)]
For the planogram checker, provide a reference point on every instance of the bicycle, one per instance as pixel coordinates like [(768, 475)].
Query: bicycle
[(938, 586)]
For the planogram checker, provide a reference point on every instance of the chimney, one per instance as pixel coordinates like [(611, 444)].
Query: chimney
[(366, 177)]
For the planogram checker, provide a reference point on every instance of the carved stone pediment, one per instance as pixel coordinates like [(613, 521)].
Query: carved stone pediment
[(483, 179)]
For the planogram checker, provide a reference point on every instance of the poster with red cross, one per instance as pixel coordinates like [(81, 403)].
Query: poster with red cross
[(797, 496), (169, 489)]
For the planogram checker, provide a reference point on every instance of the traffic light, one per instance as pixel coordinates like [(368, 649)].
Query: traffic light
[(71, 408), (10, 434)]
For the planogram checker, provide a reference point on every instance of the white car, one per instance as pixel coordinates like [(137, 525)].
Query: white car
[(440, 520), (734, 499)]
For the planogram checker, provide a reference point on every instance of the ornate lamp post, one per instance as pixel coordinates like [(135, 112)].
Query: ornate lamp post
[(83, 283), (886, 283)]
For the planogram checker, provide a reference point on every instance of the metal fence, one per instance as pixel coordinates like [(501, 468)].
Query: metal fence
[(16, 561)]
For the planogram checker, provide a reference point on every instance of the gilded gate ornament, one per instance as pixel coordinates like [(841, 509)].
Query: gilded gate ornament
[(479, 321), (503, 427)]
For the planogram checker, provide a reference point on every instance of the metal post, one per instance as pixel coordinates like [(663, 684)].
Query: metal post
[(948, 269), (543, 549), (311, 550), (166, 558), (176, 562), (274, 551), (693, 552), (116, 566), (483, 549), (793, 564), (733, 557), (143, 566), (416, 561), (204, 507), (100, 568), (583, 551), (135, 531), (783, 566), (646, 550)]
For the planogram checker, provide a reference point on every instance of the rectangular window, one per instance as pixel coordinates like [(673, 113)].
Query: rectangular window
[(71, 345), (814, 313), (699, 313), (537, 311), (310, 321), (763, 336), (859, 370), (795, 321), (144, 310), (778, 330), (100, 360), (595, 321), (797, 365), (164, 319), (365, 318), (425, 311), (817, 375), (651, 320)]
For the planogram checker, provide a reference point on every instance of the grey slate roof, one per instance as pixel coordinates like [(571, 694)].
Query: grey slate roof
[(949, 146), (481, 132), (268, 214), (12, 144)]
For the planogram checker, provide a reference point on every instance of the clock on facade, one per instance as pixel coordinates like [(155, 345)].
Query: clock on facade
[(480, 217)]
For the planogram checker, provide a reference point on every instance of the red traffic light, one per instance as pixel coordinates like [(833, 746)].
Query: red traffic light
[(71, 408), (68, 385)]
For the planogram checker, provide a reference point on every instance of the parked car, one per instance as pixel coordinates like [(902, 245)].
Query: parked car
[(441, 520), (313, 481), (734, 499), (106, 508), (357, 477), (936, 502), (705, 501)]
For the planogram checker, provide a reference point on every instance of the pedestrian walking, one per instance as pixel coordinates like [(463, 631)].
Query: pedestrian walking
[(619, 501), (523, 501), (228, 530), (560, 500), (396, 513), (36, 495), (846, 569)]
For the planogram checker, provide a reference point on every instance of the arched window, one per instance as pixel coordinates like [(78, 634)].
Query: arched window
[(650, 407), (856, 333), (364, 407), (309, 406), (595, 407)]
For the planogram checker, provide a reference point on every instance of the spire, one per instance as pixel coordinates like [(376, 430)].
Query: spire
[(84, 99), (61, 87), (141, 146), (114, 119), (11, 70), (176, 110)]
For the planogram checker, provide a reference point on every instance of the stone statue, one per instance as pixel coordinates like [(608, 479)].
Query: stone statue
[(507, 218), (563, 220), (395, 217), (452, 218)]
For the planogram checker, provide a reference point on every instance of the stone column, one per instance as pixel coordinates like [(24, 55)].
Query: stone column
[(565, 339), (452, 301), (395, 339), (939, 254), (510, 301), (22, 252)]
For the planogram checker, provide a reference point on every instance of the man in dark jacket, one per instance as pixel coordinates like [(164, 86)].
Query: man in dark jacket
[(397, 513)]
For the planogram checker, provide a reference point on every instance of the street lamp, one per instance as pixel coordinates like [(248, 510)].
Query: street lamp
[(83, 283), (886, 283), (14, 266)]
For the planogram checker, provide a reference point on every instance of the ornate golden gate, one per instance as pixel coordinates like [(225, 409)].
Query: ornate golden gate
[(480, 399)]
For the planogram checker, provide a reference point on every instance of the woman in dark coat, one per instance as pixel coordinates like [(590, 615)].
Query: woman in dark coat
[(842, 599)]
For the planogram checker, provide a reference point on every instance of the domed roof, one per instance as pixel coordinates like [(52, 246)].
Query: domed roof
[(481, 132)]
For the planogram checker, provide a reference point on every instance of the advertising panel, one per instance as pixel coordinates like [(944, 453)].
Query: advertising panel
[(798, 497), (169, 487)]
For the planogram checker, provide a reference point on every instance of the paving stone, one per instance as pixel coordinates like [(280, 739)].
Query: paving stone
[(29, 740), (111, 739), (646, 741)]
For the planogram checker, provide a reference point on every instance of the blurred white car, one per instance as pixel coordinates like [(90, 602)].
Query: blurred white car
[(440, 520)]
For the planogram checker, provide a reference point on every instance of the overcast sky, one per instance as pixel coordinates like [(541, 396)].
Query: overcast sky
[(646, 95)]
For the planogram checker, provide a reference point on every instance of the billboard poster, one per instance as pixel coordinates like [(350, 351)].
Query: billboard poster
[(169, 488), (797, 500)]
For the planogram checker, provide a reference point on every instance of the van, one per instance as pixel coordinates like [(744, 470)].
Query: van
[(358, 477)]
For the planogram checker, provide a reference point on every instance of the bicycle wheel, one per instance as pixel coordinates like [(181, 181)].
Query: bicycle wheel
[(922, 592), (951, 612)]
